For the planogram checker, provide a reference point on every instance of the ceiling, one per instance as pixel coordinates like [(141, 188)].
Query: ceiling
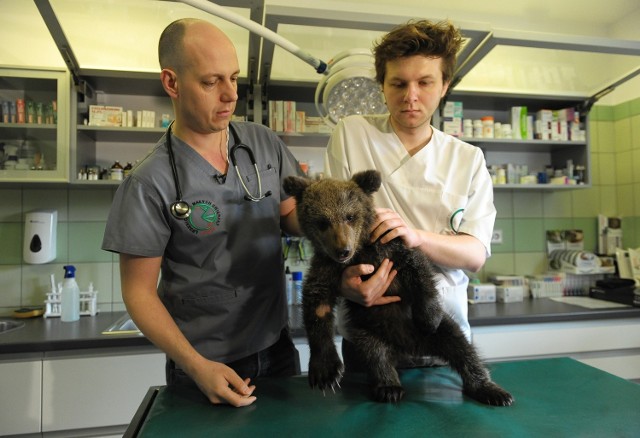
[(604, 36)]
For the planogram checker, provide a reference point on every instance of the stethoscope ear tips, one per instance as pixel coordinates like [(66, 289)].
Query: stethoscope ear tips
[(180, 210)]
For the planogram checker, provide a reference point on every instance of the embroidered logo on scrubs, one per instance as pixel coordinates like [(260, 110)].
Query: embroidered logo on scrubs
[(204, 218)]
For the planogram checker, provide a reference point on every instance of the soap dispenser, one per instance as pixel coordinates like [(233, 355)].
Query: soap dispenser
[(40, 236)]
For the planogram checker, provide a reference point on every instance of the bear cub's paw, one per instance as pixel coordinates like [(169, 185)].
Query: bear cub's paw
[(388, 394), (491, 394), (325, 372)]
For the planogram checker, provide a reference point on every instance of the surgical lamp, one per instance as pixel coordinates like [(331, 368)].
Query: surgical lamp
[(348, 85)]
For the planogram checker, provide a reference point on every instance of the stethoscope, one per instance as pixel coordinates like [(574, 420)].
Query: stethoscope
[(181, 209)]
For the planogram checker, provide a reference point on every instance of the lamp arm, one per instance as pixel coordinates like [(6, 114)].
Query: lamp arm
[(219, 11)]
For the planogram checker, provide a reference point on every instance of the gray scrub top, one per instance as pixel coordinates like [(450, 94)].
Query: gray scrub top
[(222, 268)]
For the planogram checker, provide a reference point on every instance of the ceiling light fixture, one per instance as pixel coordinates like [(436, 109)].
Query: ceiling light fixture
[(348, 85)]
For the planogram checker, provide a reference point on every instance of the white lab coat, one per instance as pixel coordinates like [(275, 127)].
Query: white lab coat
[(443, 188)]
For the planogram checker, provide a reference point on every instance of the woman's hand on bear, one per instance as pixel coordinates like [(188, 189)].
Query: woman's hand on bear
[(389, 225), (368, 292)]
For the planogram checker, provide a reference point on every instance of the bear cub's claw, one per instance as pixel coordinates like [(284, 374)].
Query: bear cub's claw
[(388, 394), (490, 394), (325, 374)]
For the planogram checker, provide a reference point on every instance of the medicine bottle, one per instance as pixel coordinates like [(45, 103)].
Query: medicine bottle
[(477, 129), (487, 127), (297, 287), (117, 171)]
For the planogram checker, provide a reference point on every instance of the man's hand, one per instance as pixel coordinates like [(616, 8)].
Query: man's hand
[(221, 385), (370, 292), (390, 225)]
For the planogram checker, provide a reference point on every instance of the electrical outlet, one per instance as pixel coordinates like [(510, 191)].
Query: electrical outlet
[(496, 237)]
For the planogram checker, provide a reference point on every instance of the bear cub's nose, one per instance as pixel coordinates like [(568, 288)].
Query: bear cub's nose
[(344, 253)]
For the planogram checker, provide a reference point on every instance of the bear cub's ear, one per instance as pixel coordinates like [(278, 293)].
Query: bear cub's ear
[(369, 181), (295, 185)]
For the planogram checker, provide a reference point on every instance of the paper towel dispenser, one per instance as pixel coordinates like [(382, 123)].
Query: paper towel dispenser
[(40, 236)]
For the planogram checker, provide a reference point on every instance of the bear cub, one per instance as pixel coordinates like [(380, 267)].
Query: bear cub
[(336, 216)]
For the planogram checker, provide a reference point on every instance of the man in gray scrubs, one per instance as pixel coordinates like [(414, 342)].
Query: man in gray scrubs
[(219, 309)]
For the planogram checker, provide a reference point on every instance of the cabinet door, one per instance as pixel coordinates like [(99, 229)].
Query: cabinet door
[(21, 382), (34, 125), (103, 389)]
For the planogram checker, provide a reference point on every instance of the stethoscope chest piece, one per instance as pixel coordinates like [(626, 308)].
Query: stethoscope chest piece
[(180, 209)]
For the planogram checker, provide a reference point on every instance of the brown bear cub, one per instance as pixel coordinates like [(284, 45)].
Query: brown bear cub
[(336, 216)]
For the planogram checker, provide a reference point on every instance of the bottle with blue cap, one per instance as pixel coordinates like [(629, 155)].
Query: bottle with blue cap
[(70, 296)]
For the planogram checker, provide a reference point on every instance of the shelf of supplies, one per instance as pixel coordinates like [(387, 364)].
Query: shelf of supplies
[(119, 133), (545, 187), (304, 139), (511, 144)]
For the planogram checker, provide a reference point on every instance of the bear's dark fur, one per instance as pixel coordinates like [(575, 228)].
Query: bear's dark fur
[(336, 216)]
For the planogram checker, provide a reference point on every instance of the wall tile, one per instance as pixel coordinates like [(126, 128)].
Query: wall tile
[(557, 204), (529, 235), (499, 264), (621, 111), (608, 200), (622, 132), (585, 202), (46, 199), (36, 282), (503, 201), (85, 240), (557, 224), (11, 281), (530, 263), (606, 138), (528, 204), (594, 129), (11, 238), (594, 175), (607, 168), (635, 132), (11, 210), (506, 225), (634, 107), (625, 200), (625, 167), (589, 227), (89, 205)]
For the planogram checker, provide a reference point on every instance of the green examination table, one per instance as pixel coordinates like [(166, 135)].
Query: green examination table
[(553, 398)]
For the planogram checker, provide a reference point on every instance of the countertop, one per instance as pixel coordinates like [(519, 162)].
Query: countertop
[(41, 335)]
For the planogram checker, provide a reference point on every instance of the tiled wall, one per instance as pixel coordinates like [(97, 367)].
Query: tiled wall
[(82, 215), (523, 216)]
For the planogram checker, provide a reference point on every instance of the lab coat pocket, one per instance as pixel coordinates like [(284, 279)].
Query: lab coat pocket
[(452, 213), (426, 207)]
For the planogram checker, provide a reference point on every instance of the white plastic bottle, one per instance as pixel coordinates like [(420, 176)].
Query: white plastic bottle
[(70, 296)]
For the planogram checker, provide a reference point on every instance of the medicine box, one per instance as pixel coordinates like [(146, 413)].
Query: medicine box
[(452, 118), (509, 294), (452, 110), (481, 293), (519, 122), (102, 115)]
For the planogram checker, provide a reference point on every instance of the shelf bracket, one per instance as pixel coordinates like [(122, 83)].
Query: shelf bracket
[(52, 23)]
